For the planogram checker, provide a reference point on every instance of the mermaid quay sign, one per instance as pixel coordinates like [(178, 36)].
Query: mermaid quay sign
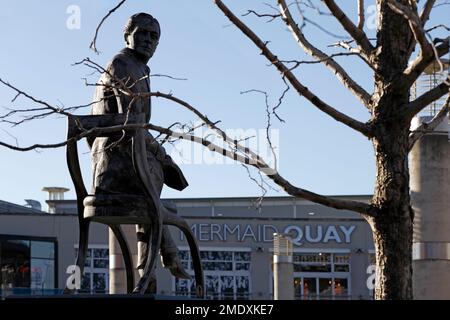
[(264, 232)]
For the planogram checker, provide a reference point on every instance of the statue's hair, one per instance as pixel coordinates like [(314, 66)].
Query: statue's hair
[(134, 19)]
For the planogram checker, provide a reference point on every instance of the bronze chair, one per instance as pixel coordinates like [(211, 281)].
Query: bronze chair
[(113, 212)]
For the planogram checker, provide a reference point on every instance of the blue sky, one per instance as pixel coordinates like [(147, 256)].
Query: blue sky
[(197, 43)]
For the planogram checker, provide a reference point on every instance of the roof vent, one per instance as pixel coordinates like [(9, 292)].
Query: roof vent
[(55, 193), (33, 204)]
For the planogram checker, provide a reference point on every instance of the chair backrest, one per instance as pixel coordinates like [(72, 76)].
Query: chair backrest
[(79, 124)]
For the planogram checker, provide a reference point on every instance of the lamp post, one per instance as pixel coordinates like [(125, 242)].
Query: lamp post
[(283, 268)]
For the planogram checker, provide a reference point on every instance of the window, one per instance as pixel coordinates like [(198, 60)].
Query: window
[(321, 275), (227, 274), (27, 263), (96, 270), (42, 265)]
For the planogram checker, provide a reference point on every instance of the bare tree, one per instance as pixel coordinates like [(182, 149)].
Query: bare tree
[(402, 28)]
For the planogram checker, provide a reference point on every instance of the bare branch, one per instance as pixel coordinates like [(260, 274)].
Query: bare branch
[(341, 74), (301, 89), (431, 125), (262, 184), (425, 99), (269, 122), (361, 17), (167, 76), (280, 100), (309, 4), (297, 63), (360, 207), (29, 118), (356, 33), (438, 26), (259, 184), (34, 146), (43, 103), (14, 111), (421, 63), (93, 43), (346, 45), (319, 26), (262, 15), (12, 136), (415, 25), (425, 15), (443, 3)]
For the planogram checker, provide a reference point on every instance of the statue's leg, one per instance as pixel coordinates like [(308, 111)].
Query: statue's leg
[(143, 238), (168, 248)]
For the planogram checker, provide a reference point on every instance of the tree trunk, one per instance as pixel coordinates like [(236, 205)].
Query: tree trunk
[(392, 227), (393, 244)]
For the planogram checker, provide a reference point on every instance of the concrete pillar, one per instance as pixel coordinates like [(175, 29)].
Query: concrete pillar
[(283, 268), (117, 277), (430, 198)]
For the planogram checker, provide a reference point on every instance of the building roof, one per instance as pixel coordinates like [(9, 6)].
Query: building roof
[(12, 208)]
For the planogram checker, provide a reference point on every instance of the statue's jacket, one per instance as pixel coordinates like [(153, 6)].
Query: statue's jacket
[(112, 166)]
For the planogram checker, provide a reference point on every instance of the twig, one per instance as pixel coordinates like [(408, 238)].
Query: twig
[(361, 18), (94, 40)]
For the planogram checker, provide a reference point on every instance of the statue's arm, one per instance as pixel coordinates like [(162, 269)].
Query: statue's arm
[(120, 77)]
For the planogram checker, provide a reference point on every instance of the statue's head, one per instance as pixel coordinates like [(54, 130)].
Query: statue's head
[(142, 33)]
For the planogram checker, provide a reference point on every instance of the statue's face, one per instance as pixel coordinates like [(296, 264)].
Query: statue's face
[(144, 39)]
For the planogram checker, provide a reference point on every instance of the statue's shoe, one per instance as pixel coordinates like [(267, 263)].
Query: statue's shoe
[(173, 263)]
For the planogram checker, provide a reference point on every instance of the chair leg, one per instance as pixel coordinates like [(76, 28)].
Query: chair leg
[(143, 172), (118, 233), (152, 253), (173, 219)]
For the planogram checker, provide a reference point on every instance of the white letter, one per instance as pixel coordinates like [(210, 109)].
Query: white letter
[(74, 280), (371, 270), (347, 232), (331, 234), (74, 20), (371, 22), (308, 234), (295, 240)]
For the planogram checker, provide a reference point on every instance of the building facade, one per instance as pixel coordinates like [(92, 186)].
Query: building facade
[(333, 250)]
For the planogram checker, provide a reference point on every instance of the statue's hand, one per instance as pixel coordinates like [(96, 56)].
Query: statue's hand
[(155, 148)]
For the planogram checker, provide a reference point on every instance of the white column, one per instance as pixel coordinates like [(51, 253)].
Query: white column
[(283, 268), (117, 275), (430, 198)]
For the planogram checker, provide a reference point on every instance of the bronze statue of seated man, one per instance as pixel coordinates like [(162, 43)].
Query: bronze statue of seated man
[(113, 174)]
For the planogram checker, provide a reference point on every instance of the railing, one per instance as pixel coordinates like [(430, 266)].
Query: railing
[(216, 296), (5, 292)]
